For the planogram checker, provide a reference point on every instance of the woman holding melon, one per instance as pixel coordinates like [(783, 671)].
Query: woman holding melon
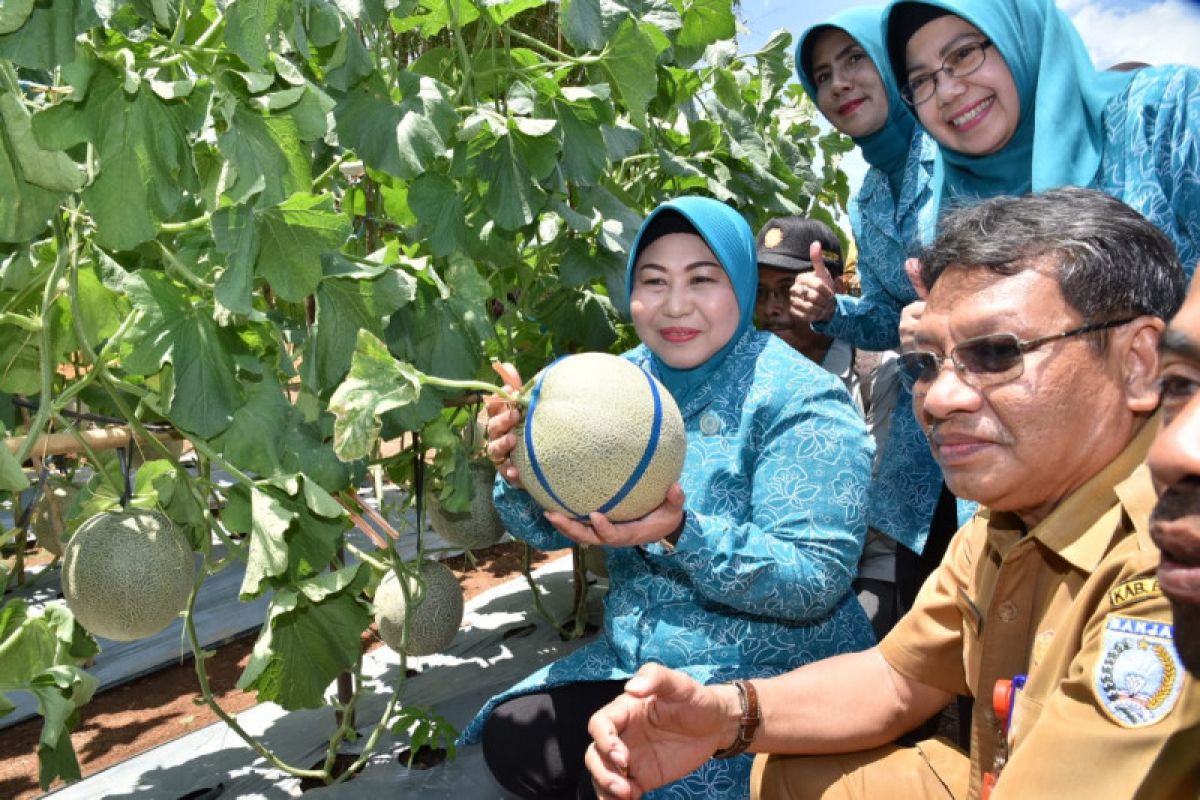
[(744, 570), (1008, 91)]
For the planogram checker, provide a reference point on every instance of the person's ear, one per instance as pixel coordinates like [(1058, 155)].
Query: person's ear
[(1141, 364)]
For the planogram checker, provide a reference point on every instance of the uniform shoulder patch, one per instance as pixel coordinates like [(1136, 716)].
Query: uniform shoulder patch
[(1132, 591), (1138, 676)]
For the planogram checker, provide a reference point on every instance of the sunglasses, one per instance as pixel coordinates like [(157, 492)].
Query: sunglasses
[(986, 360)]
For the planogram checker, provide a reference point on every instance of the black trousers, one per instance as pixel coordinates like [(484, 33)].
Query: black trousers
[(534, 744)]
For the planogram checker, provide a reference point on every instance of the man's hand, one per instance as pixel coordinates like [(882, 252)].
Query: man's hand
[(663, 727), (600, 530), (813, 293), (911, 315)]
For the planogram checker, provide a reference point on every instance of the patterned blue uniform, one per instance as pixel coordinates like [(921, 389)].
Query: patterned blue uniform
[(1151, 155), (776, 475)]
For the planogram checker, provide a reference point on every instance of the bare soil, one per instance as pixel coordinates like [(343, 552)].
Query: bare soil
[(127, 720)]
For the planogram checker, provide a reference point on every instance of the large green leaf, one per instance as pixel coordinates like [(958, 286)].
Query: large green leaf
[(630, 63), (437, 202), (171, 328), (266, 156), (400, 138), (584, 155), (33, 181), (345, 306), (47, 37), (704, 22), (13, 14), (254, 27), (142, 151), (311, 636), (293, 236), (268, 557), (377, 383), (513, 198)]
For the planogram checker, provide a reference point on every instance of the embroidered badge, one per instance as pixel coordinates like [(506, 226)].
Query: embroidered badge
[(1134, 590), (773, 237), (1138, 677)]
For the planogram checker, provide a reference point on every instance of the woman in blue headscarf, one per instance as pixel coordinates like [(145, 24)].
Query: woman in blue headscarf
[(843, 66), (745, 569), (1010, 94)]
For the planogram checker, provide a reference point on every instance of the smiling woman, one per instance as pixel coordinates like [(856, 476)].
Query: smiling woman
[(1009, 92)]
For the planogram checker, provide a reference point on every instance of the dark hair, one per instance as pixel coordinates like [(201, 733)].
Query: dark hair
[(903, 21), (665, 222), (1111, 261)]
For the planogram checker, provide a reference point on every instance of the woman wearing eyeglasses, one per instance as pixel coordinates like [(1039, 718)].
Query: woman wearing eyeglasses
[(843, 66), (1008, 91)]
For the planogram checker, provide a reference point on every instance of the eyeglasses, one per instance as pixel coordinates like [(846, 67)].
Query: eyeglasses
[(986, 360), (961, 62), (780, 294)]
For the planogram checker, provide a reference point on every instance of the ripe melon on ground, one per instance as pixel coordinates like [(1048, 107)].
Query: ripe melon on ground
[(599, 434), (127, 574), (478, 527), (433, 621)]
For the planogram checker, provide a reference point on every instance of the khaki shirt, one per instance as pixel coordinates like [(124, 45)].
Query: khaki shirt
[(1073, 605)]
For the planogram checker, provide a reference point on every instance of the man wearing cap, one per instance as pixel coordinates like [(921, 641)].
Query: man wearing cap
[(1035, 374), (784, 248)]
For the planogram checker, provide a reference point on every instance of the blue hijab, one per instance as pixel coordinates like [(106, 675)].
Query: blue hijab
[(887, 148), (1060, 137), (729, 237)]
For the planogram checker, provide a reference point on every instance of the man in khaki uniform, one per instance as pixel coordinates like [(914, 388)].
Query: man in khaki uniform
[(1035, 375)]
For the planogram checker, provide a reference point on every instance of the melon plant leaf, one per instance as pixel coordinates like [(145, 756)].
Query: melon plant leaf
[(265, 155), (144, 158), (252, 442), (437, 203), (773, 63), (503, 11), (27, 645), (235, 235), (13, 14), (60, 691), (252, 27), (630, 64), (344, 307), (12, 479), (513, 198), (310, 637), (399, 138), (33, 181), (47, 37), (704, 22), (293, 237), (268, 556), (584, 156), (376, 383)]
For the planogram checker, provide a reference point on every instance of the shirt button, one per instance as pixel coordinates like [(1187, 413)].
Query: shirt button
[(1007, 611), (710, 423)]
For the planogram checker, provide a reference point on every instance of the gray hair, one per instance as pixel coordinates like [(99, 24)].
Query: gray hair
[(1111, 261)]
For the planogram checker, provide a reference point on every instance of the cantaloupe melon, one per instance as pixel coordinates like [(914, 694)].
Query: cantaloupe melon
[(48, 518), (599, 434), (432, 622), (127, 574), (478, 527)]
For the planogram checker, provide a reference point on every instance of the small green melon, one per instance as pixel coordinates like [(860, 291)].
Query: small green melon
[(127, 574), (595, 422), (433, 621), (479, 527), (49, 515)]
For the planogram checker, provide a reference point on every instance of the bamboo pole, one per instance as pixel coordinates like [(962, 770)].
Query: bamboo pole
[(50, 444)]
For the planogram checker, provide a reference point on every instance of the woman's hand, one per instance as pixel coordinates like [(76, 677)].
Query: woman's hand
[(503, 416), (813, 294), (659, 524)]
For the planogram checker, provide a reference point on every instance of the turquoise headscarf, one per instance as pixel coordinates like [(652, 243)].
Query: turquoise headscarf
[(887, 148), (729, 237), (1060, 137)]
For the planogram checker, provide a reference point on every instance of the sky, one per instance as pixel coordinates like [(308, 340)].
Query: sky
[(1154, 31)]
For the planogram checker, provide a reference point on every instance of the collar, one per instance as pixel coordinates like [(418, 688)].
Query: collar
[(1121, 483)]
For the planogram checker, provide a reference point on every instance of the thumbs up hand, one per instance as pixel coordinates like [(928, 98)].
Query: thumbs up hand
[(813, 292), (911, 315)]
